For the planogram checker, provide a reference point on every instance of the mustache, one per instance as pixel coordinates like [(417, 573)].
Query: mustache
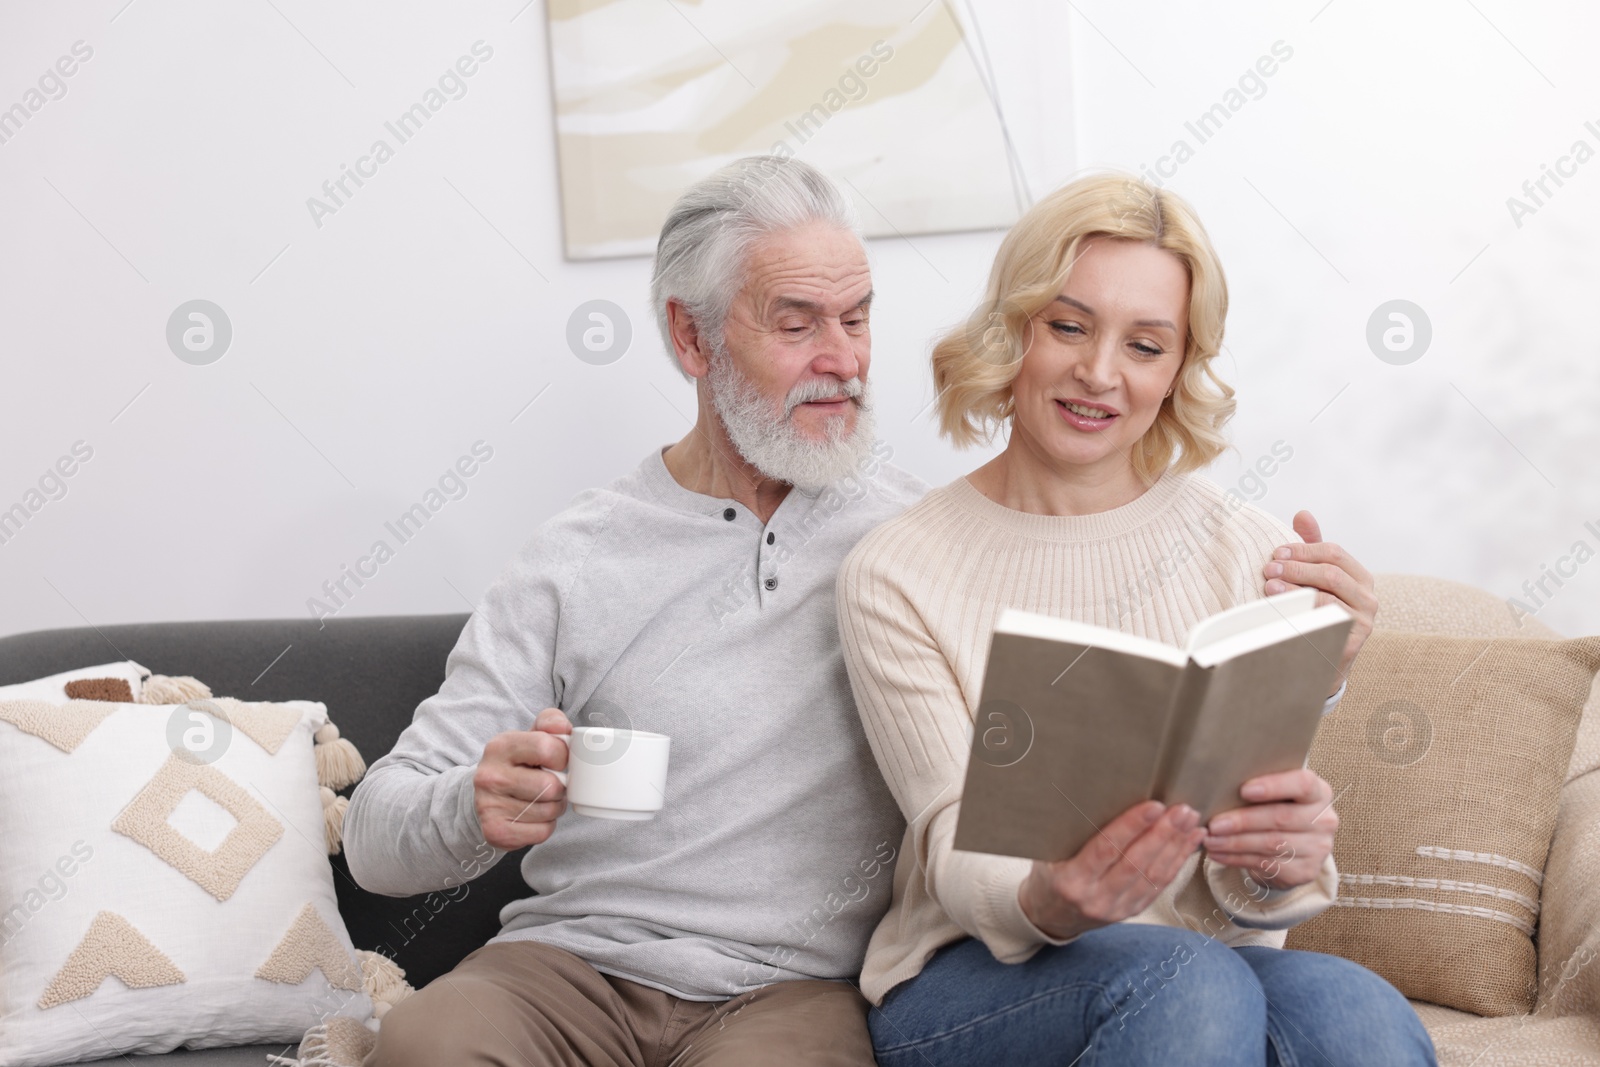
[(822, 389)]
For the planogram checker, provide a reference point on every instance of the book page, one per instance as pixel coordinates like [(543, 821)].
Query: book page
[(1248, 616), (1270, 632)]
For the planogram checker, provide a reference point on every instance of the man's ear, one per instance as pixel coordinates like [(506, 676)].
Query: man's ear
[(687, 343)]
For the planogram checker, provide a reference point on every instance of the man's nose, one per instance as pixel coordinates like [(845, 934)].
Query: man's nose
[(836, 353)]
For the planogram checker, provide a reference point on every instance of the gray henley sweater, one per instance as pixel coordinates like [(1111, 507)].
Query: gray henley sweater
[(646, 605)]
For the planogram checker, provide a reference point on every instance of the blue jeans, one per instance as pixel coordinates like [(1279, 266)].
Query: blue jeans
[(1137, 994)]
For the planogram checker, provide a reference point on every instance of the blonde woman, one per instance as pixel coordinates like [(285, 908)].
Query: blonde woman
[(1160, 941)]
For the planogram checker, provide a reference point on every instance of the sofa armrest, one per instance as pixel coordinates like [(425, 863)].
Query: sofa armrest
[(1569, 919)]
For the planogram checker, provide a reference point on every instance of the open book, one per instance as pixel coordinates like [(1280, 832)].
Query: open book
[(1078, 723)]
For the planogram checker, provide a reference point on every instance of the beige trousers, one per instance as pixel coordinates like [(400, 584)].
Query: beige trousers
[(527, 1004)]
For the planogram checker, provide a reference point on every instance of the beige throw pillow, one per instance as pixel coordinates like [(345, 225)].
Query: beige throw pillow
[(1447, 757)]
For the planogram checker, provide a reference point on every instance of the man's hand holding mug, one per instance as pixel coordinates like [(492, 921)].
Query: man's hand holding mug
[(517, 797), (526, 777)]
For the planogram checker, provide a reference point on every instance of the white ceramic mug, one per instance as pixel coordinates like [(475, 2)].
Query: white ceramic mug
[(614, 773)]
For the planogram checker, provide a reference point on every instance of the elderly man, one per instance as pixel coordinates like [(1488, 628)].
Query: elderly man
[(692, 597)]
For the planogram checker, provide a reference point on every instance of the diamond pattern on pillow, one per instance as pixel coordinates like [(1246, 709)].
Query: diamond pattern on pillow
[(63, 725), (219, 871), (112, 947), (309, 946), (145, 816)]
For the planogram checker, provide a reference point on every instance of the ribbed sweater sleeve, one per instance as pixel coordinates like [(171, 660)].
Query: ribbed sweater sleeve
[(919, 728)]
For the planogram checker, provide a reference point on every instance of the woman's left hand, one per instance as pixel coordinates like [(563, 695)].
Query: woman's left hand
[(1336, 573), (1282, 834)]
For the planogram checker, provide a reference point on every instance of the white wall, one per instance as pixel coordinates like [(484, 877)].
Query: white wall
[(425, 314)]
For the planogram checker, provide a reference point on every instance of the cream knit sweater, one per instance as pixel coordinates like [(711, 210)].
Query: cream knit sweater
[(918, 598)]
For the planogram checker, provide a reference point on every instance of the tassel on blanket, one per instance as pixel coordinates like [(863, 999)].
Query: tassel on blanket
[(338, 762), (333, 809), (384, 981), (164, 689), (339, 1042)]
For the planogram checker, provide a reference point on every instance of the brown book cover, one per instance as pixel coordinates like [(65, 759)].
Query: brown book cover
[(1078, 723)]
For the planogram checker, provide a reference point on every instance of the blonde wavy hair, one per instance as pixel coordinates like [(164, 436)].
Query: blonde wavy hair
[(975, 364)]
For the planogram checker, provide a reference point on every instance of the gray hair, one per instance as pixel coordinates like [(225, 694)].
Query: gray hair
[(700, 256)]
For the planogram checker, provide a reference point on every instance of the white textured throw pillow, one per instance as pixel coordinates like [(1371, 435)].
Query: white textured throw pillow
[(164, 880), (53, 690)]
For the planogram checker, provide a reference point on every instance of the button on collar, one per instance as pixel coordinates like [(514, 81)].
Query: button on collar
[(730, 514)]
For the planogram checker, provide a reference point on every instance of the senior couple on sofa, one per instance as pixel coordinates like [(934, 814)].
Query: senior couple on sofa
[(809, 624)]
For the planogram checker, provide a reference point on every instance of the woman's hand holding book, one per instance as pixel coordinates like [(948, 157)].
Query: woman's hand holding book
[(1117, 875)]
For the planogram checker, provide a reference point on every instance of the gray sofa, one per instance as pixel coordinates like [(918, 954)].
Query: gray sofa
[(372, 673)]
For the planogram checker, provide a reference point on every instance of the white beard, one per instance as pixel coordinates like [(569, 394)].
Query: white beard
[(764, 435)]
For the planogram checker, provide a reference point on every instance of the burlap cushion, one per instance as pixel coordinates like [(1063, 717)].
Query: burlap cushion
[(1447, 757)]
